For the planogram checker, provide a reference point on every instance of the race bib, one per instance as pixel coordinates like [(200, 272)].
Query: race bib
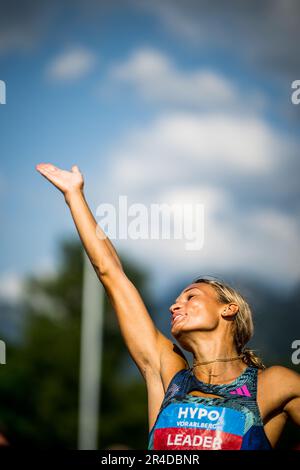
[(191, 426)]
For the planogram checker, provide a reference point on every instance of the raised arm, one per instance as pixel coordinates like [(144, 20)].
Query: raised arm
[(146, 344)]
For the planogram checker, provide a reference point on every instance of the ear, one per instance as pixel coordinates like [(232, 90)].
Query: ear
[(229, 311)]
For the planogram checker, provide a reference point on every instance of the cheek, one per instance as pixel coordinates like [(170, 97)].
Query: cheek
[(203, 312), (198, 308)]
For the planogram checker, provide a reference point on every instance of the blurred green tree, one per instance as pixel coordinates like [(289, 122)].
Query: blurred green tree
[(39, 384)]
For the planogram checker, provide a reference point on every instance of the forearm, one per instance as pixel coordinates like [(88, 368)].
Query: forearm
[(97, 245)]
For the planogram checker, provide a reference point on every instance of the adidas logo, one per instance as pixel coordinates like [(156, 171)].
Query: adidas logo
[(241, 391)]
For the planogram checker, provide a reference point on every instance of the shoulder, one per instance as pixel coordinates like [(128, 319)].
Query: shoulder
[(280, 381), (278, 373), (284, 385)]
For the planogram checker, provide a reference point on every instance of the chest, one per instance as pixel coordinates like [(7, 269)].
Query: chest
[(254, 387)]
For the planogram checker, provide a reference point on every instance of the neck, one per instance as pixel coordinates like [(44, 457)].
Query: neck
[(207, 351)]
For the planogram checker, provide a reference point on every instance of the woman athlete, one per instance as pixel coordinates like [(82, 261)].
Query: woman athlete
[(228, 399)]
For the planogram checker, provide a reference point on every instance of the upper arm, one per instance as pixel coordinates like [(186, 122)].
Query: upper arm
[(149, 348), (286, 384), (137, 327), (292, 406)]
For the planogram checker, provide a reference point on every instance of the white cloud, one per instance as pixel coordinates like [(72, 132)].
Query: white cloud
[(45, 268), (11, 287), (12, 284), (263, 243), (213, 198), (178, 146), (274, 239), (71, 64), (193, 157), (153, 75)]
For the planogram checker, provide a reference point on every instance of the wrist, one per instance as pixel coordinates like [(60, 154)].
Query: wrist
[(73, 194)]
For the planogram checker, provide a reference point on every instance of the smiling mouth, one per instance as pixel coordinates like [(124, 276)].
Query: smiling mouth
[(178, 317)]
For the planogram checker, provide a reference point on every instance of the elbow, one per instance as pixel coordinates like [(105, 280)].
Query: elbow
[(107, 267)]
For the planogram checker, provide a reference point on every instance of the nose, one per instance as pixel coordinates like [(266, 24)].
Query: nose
[(174, 307)]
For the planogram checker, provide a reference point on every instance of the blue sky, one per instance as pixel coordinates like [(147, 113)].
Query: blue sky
[(162, 102)]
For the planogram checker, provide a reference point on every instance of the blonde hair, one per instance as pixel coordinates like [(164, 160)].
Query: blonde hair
[(243, 323)]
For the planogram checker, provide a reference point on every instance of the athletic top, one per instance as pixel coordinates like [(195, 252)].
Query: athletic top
[(231, 421)]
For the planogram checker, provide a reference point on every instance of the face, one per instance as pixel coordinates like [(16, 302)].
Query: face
[(196, 308)]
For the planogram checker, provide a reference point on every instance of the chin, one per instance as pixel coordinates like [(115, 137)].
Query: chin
[(178, 332)]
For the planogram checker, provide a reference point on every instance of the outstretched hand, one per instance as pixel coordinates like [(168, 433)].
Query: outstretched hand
[(65, 181)]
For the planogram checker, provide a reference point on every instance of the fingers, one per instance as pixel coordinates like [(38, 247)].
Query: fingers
[(75, 169), (41, 169), (48, 167), (46, 174)]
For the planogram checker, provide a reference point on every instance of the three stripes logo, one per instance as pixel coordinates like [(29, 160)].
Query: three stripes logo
[(241, 391)]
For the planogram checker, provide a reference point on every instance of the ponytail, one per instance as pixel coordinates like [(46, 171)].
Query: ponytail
[(251, 359)]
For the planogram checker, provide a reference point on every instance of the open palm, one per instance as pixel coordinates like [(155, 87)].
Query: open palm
[(65, 181)]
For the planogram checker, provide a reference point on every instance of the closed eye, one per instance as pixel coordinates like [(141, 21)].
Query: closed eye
[(188, 297)]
